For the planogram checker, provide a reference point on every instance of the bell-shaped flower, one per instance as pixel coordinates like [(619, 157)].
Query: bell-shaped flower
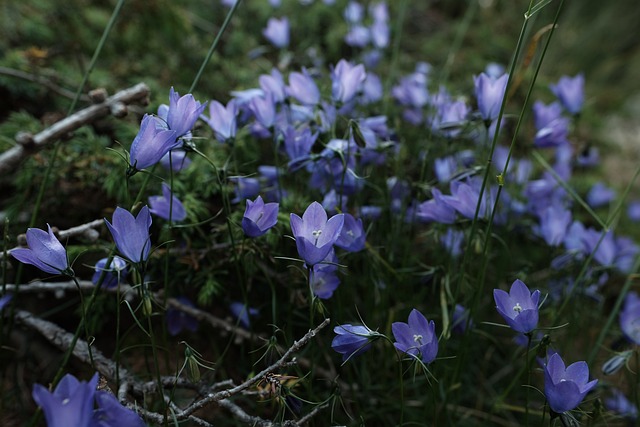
[(183, 112), (570, 92), (620, 405), (223, 120), (630, 318), (273, 84), (417, 338), (70, 404), (115, 272), (352, 340), (177, 320), (352, 237), (111, 413), (565, 388), (452, 241), (554, 223), (4, 300), (130, 234), (303, 88), (347, 81), (489, 94), (151, 143), (242, 312), (600, 195), (166, 208), (246, 188), (277, 32), (314, 234), (259, 217), (264, 110), (45, 252), (436, 210), (519, 307)]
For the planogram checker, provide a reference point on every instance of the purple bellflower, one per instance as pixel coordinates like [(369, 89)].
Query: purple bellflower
[(570, 92), (223, 120), (264, 110), (70, 404), (246, 188), (552, 128), (183, 112), (315, 236), (163, 207), (417, 338), (565, 388), (600, 195), (177, 320), (277, 32), (259, 217), (519, 307), (630, 318), (352, 237), (175, 159), (303, 88), (460, 320), (358, 36), (452, 241), (111, 413), (633, 211), (151, 143), (4, 300), (273, 84), (324, 280), (130, 234), (45, 252), (115, 272), (619, 404), (554, 223), (490, 93), (352, 340), (347, 81), (436, 210), (242, 312)]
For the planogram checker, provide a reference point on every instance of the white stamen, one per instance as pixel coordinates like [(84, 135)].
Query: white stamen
[(417, 337), (517, 308)]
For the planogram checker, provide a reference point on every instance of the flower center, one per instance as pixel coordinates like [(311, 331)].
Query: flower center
[(517, 308), (316, 234), (350, 233), (417, 338)]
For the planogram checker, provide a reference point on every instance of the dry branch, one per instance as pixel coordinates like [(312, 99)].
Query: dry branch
[(29, 144)]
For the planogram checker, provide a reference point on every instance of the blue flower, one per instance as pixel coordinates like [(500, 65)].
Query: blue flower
[(162, 205), (554, 223), (417, 338), (347, 81), (565, 388), (70, 404), (5, 300), (630, 318), (183, 112), (315, 236), (151, 143), (116, 272), (303, 88), (130, 234), (264, 110), (223, 120), (489, 93), (570, 92), (177, 320), (600, 195), (519, 307), (352, 236), (111, 413), (352, 340), (242, 313), (45, 252), (619, 404), (277, 32), (259, 217)]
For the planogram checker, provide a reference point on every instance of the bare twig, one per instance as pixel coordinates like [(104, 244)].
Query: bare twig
[(49, 84), (28, 144)]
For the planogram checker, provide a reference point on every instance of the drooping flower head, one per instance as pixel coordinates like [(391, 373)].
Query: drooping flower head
[(416, 338), (519, 307), (151, 143), (70, 404), (570, 92), (259, 217), (115, 272), (489, 94), (163, 207), (183, 112), (315, 235), (565, 388), (352, 340), (130, 234), (45, 252)]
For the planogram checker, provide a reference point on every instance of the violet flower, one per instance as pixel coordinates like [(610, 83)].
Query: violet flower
[(177, 320), (619, 404), (4, 300), (264, 110), (315, 236), (489, 94), (565, 388), (165, 208), (259, 217), (277, 32), (70, 404), (630, 318), (352, 236), (303, 88), (324, 280), (347, 81), (183, 112), (45, 252), (600, 195), (151, 143), (115, 272), (130, 234), (570, 92), (223, 120), (352, 340), (417, 338), (519, 307), (436, 209), (242, 312), (111, 413), (554, 223)]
